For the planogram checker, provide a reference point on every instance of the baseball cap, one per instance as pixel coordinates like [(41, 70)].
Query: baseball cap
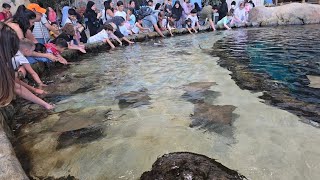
[(36, 7)]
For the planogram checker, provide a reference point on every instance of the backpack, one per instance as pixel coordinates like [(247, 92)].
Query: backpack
[(144, 12)]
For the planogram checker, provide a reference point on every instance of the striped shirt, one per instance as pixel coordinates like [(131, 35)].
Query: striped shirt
[(40, 30)]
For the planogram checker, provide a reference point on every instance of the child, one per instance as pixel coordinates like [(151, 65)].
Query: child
[(138, 26), (78, 28), (170, 23), (120, 11), (233, 5), (104, 35), (131, 18), (194, 20), (118, 22), (21, 63), (68, 34), (189, 26), (58, 48), (53, 35), (226, 20)]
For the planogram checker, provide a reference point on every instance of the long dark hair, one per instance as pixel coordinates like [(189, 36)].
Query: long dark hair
[(197, 7), (107, 6), (23, 17), (89, 6), (9, 46)]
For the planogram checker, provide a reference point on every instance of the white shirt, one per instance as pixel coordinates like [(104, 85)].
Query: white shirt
[(194, 20), (105, 16), (101, 36), (18, 60), (122, 14), (241, 14)]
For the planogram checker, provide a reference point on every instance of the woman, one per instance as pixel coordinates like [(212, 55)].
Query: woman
[(22, 21), (177, 11), (223, 10), (93, 22), (9, 47), (107, 12)]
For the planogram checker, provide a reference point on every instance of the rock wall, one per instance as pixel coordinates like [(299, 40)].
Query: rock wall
[(10, 167), (290, 14)]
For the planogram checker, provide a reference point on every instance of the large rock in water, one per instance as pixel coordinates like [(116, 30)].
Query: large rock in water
[(293, 13), (186, 165)]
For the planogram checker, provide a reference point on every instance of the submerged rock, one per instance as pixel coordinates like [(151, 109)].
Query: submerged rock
[(293, 13), (77, 119), (186, 165), (80, 136), (198, 92), (198, 86), (212, 117), (134, 99)]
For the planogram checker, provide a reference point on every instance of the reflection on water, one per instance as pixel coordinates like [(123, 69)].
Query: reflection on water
[(285, 56), (91, 137)]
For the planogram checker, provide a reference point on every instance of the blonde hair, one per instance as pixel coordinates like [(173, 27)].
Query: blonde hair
[(26, 44)]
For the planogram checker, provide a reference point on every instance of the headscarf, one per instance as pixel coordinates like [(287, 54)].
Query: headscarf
[(177, 11)]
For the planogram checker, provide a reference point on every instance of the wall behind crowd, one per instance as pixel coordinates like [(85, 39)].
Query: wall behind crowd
[(14, 4), (256, 2)]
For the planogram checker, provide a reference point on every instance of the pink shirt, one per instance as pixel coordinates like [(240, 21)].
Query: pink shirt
[(52, 16)]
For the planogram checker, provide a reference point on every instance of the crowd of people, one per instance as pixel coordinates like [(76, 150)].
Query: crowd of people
[(35, 34)]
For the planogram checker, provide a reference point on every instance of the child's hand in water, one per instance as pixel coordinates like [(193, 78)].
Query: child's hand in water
[(63, 61), (120, 44), (131, 42), (40, 91), (82, 50), (49, 106)]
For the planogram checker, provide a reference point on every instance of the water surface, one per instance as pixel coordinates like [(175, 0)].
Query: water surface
[(91, 137)]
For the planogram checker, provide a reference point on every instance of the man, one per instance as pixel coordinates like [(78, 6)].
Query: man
[(207, 14), (41, 26), (5, 14), (151, 22)]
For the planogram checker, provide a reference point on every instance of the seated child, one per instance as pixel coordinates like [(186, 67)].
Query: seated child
[(226, 20), (138, 26), (170, 23), (57, 48), (194, 19), (68, 34), (104, 36), (21, 63), (189, 26)]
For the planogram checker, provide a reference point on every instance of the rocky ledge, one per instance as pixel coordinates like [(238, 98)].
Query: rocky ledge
[(186, 165), (289, 14)]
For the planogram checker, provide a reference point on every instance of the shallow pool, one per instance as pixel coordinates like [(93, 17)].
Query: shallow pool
[(91, 137)]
